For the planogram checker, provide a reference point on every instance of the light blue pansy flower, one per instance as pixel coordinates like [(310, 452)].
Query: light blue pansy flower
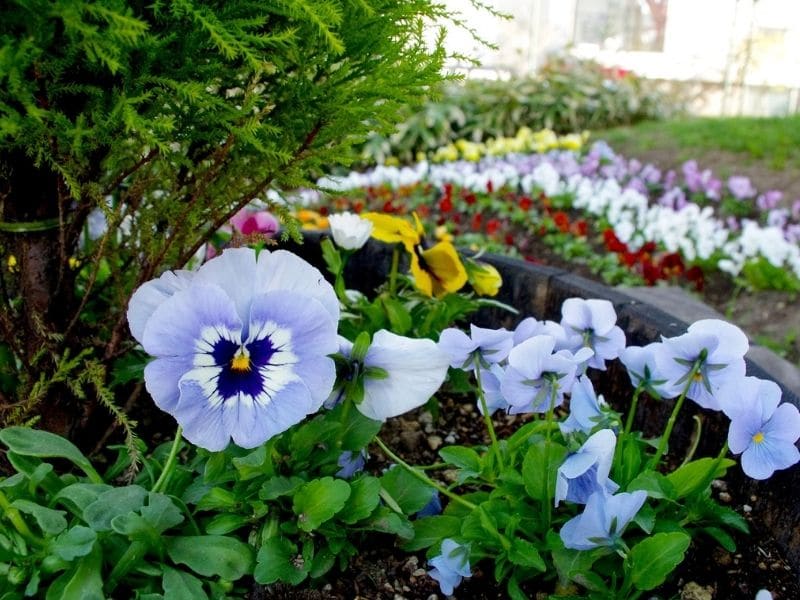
[(241, 346), (602, 521), (451, 566), (594, 325), (586, 471)]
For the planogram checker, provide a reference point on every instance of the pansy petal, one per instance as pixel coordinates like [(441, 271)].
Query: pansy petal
[(733, 342), (282, 270), (176, 326), (575, 314), (603, 316), (162, 377), (202, 423), (235, 272), (149, 296), (784, 424), (458, 346), (740, 434)]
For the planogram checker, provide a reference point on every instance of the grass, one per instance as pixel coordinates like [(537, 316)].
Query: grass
[(772, 140)]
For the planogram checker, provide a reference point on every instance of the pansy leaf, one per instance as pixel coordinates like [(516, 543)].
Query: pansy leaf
[(466, 459), (722, 537), (277, 561), (179, 585), (43, 444), (432, 530), (410, 494), (83, 582), (161, 513), (655, 484), (225, 523), (399, 318), (50, 521), (364, 497), (357, 430), (76, 541), (525, 554), (387, 521), (78, 496), (276, 487), (539, 469), (254, 464), (212, 555), (652, 559), (114, 502), (694, 476), (318, 500)]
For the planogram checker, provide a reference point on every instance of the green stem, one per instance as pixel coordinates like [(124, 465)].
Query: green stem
[(662, 443), (134, 553), (347, 403), (487, 418), (632, 410), (393, 270), (13, 515), (422, 477), (169, 466)]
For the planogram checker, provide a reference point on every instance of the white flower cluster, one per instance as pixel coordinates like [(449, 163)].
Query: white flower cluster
[(693, 231)]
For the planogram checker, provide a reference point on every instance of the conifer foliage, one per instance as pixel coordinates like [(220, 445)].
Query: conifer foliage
[(169, 116)]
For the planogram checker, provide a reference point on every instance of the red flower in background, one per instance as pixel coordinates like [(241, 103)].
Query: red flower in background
[(492, 225), (446, 204), (612, 242), (470, 199), (580, 228), (695, 275), (477, 221), (562, 221), (525, 203)]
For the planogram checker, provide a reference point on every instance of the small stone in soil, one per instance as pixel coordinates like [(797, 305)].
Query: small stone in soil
[(451, 438), (434, 442), (747, 508), (725, 497), (695, 591)]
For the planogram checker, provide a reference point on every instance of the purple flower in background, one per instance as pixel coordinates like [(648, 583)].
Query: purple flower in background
[(650, 174), (241, 348), (741, 187), (586, 471), (530, 327), (451, 566), (717, 347), (762, 430), (602, 521), (669, 179), (351, 463), (769, 200), (536, 378), (594, 321), (796, 209), (641, 365), (432, 508), (778, 217), (585, 408), (482, 346), (713, 188)]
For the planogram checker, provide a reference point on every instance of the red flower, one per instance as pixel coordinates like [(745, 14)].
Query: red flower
[(525, 203), (445, 204), (671, 264), (651, 273), (580, 228), (695, 275), (388, 207), (489, 186), (562, 221), (492, 225), (509, 239), (470, 199), (612, 242), (424, 210), (477, 221)]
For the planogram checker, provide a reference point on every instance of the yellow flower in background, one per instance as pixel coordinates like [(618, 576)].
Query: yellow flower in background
[(441, 234), (12, 264), (483, 278), (311, 219), (391, 161), (437, 270), (73, 263)]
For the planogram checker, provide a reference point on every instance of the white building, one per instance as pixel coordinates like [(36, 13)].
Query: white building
[(732, 56)]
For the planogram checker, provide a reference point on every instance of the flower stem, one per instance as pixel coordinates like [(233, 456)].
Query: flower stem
[(662, 443), (13, 515), (393, 270), (632, 410), (422, 477), (487, 418), (169, 466)]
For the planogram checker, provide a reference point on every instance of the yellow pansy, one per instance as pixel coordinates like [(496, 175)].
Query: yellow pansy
[(311, 219), (437, 270), (73, 263), (483, 278), (12, 263)]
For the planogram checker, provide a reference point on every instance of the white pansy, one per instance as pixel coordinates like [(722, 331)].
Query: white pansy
[(349, 231)]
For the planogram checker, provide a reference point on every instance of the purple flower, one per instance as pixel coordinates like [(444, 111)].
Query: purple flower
[(641, 365), (778, 217), (351, 463), (536, 378), (586, 471), (602, 521), (248, 221), (482, 346), (451, 566), (716, 347), (491, 379), (594, 321), (762, 430), (741, 187), (241, 348), (769, 200), (530, 327), (585, 408)]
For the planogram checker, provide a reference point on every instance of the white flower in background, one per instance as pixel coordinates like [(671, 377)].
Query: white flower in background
[(349, 231)]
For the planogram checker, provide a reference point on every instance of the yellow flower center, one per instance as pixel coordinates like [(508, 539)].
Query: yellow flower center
[(698, 377), (758, 437), (240, 362)]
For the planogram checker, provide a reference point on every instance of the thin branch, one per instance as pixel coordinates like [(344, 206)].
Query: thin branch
[(128, 172)]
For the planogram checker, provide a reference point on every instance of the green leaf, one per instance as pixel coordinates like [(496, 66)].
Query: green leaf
[(224, 523), (466, 459), (179, 585), (43, 444), (539, 470), (652, 559), (113, 503), (279, 486), (432, 530), (50, 521), (277, 560), (80, 495), (525, 554), (388, 521), (255, 464), (410, 494), (655, 484), (358, 429), (217, 499), (76, 541), (331, 256), (694, 476), (212, 555), (318, 500), (399, 318), (364, 498), (83, 582), (161, 512), (722, 537)]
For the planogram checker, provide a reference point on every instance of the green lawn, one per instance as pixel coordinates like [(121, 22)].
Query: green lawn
[(775, 141)]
